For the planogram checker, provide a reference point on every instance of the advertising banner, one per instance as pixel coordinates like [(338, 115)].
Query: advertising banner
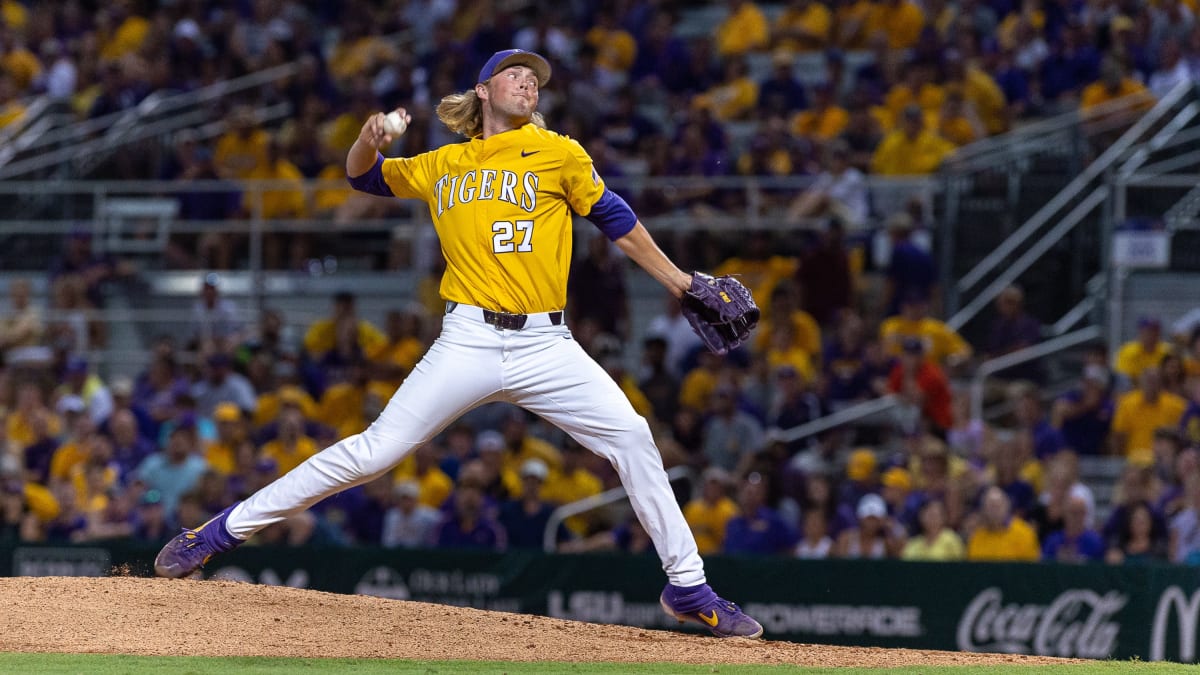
[(1088, 611)]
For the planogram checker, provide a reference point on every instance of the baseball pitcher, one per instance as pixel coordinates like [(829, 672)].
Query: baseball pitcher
[(502, 204)]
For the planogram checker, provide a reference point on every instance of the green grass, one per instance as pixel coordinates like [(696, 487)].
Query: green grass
[(99, 664)]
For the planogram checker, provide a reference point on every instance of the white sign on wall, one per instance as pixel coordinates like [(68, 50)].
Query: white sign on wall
[(1141, 249)]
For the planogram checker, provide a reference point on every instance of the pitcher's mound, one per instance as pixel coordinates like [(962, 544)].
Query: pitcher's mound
[(212, 618)]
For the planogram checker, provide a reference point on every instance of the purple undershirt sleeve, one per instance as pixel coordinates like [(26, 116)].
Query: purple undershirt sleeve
[(372, 181)]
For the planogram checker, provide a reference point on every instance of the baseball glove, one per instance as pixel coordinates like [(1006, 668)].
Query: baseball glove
[(721, 311)]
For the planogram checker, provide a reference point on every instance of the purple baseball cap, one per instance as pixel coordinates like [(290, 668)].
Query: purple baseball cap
[(516, 57)]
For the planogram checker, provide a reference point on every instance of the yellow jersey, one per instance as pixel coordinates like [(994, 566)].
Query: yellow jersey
[(502, 210), (287, 458), (708, 522)]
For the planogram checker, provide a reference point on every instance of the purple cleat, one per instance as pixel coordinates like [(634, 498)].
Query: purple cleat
[(700, 604), (188, 551)]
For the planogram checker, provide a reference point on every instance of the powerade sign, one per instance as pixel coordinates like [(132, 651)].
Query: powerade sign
[(1086, 611)]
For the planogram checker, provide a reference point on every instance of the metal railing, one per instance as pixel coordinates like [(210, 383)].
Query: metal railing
[(987, 268), (157, 104), (1028, 258), (550, 536), (764, 198), (855, 413), (1030, 353), (1033, 137)]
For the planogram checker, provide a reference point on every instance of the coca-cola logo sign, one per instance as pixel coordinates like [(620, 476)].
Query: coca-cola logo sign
[(1076, 623)]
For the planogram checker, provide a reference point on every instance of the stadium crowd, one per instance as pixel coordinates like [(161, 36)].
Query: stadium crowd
[(883, 87), (86, 459)]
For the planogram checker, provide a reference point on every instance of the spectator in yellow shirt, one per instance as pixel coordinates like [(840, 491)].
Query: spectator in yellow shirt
[(292, 446), (698, 385), (759, 267), (521, 446), (340, 133), (349, 406), (708, 514), (31, 420), (824, 120), (803, 26), (358, 52), (912, 149), (128, 35), (11, 108), (21, 65), (1147, 351), (571, 483), (958, 121), (732, 99), (980, 91), (917, 88), (13, 14), (900, 20), (785, 307), (936, 541), (850, 17), (270, 402), (394, 360), (1001, 535), (1112, 85), (744, 30), (242, 149), (942, 344), (422, 466), (342, 335), (616, 50), (1141, 411), (221, 453), (74, 449), (276, 204)]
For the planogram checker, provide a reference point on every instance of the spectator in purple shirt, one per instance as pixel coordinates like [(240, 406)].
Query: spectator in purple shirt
[(1013, 329), (661, 57), (911, 272), (758, 529), (781, 93), (1077, 542), (468, 526), (1071, 64), (525, 518), (1031, 419), (1084, 414)]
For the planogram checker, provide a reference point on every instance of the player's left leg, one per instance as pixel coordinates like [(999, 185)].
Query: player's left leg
[(550, 375), (459, 372)]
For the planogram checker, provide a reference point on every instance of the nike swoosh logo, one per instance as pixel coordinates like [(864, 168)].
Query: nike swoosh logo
[(526, 154), (710, 620)]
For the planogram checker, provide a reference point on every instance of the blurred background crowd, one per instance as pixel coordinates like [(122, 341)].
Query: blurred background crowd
[(901, 84), (831, 90), (88, 457)]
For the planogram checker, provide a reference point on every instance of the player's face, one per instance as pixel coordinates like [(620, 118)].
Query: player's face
[(513, 92)]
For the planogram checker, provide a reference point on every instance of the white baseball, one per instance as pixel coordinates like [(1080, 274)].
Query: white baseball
[(394, 124)]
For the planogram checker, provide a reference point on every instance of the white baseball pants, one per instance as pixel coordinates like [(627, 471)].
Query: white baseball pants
[(540, 368)]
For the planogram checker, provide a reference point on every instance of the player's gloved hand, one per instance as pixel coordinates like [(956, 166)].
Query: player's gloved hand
[(720, 310)]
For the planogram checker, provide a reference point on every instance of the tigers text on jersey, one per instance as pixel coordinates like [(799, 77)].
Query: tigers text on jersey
[(502, 210)]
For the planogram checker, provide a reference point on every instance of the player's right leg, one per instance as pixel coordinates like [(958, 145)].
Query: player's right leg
[(557, 380), (460, 371)]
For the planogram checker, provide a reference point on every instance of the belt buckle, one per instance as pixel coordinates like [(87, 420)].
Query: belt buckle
[(505, 320), (510, 321)]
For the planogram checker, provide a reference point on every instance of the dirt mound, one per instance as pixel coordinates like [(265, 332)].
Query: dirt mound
[(212, 618)]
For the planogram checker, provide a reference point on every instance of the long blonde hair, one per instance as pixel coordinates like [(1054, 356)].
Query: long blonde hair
[(463, 114)]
